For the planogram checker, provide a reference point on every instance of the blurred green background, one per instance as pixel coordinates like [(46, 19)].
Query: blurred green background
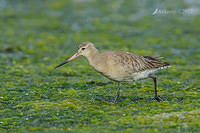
[(37, 35)]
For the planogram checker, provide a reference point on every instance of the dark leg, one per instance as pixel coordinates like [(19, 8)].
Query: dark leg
[(118, 92), (155, 86)]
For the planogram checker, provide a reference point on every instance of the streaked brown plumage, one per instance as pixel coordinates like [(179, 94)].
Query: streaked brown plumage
[(120, 66)]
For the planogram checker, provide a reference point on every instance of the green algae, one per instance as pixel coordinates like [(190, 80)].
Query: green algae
[(38, 35)]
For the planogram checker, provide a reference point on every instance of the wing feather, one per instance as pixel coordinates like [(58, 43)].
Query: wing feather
[(135, 63)]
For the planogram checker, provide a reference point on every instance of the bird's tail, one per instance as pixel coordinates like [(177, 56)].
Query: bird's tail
[(156, 60)]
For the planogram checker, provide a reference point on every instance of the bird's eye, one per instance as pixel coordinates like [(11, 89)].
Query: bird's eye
[(83, 49)]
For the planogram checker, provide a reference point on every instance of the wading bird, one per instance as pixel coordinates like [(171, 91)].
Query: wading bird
[(120, 66)]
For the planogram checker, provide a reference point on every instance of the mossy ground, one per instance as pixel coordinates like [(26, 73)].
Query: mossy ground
[(37, 35)]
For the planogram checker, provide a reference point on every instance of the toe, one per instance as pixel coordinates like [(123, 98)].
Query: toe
[(158, 99)]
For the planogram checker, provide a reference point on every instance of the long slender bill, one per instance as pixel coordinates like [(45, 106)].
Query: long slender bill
[(68, 60)]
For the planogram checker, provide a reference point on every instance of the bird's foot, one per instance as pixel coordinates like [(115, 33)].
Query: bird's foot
[(116, 99), (158, 99)]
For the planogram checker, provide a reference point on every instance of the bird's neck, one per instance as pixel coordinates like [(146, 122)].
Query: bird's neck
[(93, 55)]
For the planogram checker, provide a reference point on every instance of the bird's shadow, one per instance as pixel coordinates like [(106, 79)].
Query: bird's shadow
[(110, 97), (98, 83), (122, 98), (86, 86)]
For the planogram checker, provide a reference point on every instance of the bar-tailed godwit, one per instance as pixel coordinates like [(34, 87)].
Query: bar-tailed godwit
[(121, 66)]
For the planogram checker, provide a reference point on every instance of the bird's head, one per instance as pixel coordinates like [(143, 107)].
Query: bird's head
[(85, 49)]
